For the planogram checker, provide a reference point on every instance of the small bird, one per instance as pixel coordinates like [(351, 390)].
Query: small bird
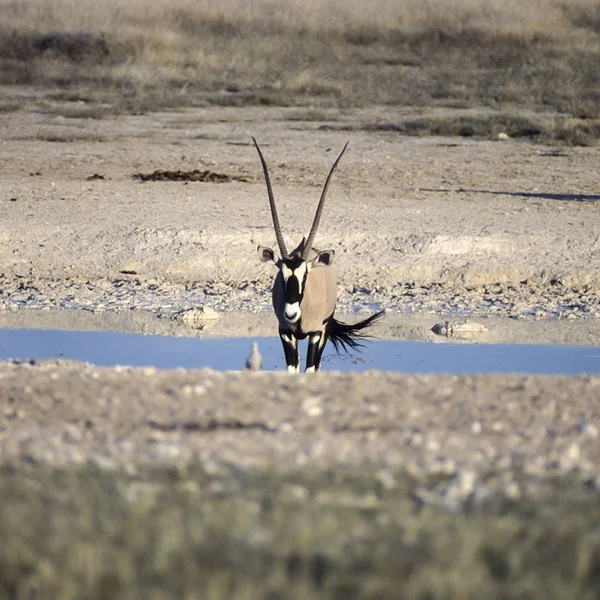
[(254, 361)]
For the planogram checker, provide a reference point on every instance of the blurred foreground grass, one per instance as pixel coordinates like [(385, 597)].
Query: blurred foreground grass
[(82, 533), (142, 55)]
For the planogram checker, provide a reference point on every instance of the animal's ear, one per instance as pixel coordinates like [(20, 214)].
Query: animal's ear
[(323, 259), (266, 254)]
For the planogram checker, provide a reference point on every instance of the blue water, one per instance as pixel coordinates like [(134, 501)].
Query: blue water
[(105, 348)]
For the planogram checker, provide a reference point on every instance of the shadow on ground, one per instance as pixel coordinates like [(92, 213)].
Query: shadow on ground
[(540, 195)]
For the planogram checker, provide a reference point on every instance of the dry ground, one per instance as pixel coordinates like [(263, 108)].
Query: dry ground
[(403, 210), (487, 227)]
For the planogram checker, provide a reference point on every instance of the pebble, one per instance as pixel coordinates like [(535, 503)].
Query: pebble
[(312, 406), (588, 429), (475, 427), (72, 433), (461, 329), (181, 301), (513, 491), (386, 479)]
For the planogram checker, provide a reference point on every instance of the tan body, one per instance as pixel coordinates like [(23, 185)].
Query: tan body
[(317, 304)]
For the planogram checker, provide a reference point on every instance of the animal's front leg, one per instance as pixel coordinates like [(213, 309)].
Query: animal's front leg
[(290, 349), (316, 343)]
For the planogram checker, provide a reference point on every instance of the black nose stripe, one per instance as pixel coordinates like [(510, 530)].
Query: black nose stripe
[(292, 290)]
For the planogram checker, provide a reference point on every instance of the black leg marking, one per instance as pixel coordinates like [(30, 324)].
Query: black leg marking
[(323, 337), (316, 343), (320, 349), (290, 349)]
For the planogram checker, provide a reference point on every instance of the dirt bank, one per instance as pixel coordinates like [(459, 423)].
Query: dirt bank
[(431, 223), (503, 433)]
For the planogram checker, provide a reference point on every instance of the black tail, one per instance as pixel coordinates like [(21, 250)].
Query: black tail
[(350, 337)]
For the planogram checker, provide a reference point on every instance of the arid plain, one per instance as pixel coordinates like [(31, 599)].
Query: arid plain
[(481, 221)]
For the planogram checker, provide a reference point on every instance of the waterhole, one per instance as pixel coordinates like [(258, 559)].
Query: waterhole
[(402, 343), (109, 348)]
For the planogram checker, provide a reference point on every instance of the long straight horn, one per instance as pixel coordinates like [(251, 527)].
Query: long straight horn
[(315, 225), (278, 235)]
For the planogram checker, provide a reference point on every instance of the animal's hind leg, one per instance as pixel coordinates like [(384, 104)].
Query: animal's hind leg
[(290, 349), (316, 344)]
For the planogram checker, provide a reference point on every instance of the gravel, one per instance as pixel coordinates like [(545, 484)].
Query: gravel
[(464, 437), (167, 299)]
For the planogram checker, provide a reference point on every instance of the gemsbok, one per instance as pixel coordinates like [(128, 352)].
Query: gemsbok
[(305, 291)]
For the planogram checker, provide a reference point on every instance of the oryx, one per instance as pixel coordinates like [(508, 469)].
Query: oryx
[(305, 291)]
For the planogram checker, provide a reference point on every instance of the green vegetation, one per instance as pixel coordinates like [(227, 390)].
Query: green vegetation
[(82, 533)]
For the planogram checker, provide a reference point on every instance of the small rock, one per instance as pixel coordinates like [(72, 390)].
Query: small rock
[(432, 445), (513, 491), (297, 492), (312, 407), (72, 433), (466, 482), (459, 329), (198, 317), (588, 429), (386, 479), (103, 462), (460, 490), (475, 427), (573, 452)]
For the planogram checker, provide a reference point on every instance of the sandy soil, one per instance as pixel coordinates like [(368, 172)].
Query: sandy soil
[(438, 226)]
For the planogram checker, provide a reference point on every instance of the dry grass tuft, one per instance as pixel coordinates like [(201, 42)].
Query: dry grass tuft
[(538, 128)]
